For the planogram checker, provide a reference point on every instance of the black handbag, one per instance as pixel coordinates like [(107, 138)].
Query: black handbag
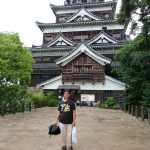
[(54, 130)]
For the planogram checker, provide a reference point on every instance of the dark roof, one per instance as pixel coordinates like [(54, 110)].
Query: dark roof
[(69, 87), (107, 45), (56, 7), (62, 25), (45, 66)]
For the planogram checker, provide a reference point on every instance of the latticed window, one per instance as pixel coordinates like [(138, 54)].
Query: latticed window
[(83, 69), (38, 59), (48, 38), (46, 59), (117, 35), (77, 37), (62, 19), (45, 76), (106, 16)]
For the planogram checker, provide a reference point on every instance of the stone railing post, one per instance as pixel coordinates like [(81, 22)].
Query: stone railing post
[(22, 108), (29, 106), (129, 108), (142, 113), (125, 108), (35, 106), (14, 109), (132, 110), (122, 107), (149, 116), (136, 111), (2, 110)]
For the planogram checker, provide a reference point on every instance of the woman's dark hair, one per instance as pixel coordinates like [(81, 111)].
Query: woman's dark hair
[(67, 91)]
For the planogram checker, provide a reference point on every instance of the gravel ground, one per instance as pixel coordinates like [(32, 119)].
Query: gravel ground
[(98, 129)]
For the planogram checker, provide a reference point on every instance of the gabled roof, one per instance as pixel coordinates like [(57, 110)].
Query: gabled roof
[(103, 38), (60, 41), (83, 15), (83, 48)]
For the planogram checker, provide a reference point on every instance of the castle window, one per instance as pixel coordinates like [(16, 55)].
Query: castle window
[(93, 0), (106, 16), (84, 37), (38, 59), (74, 1), (83, 69), (61, 19), (46, 59), (77, 37), (104, 28), (48, 38), (45, 76), (117, 35), (84, 1)]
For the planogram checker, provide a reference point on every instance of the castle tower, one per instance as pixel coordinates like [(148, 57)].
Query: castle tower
[(78, 50)]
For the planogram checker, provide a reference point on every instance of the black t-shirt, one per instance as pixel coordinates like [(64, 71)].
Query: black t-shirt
[(66, 116)]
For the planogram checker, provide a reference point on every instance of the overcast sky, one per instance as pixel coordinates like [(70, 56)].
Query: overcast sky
[(20, 16)]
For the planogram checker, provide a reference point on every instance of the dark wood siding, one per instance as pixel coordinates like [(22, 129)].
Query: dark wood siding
[(83, 68)]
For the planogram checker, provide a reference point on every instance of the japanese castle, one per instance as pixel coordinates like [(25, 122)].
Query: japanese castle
[(78, 51)]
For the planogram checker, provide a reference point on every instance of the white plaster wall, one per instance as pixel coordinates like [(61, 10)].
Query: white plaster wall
[(104, 8), (108, 85), (83, 28)]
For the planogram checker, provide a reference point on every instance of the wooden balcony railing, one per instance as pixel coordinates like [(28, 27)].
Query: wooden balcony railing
[(83, 76)]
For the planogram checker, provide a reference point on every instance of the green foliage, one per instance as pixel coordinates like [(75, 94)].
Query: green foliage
[(109, 103), (52, 99), (15, 60), (135, 57), (138, 7), (135, 70), (15, 70), (39, 99)]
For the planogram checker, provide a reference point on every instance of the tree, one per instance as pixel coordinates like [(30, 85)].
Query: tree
[(135, 56), (140, 8), (135, 68), (15, 68)]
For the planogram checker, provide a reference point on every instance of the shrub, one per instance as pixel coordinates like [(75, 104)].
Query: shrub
[(39, 99), (110, 102), (116, 106), (51, 99)]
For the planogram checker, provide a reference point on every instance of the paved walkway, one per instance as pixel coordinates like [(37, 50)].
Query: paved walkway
[(98, 129)]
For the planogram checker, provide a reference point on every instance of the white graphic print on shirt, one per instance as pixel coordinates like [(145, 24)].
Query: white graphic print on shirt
[(67, 107)]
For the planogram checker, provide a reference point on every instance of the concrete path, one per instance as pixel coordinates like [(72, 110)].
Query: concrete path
[(98, 129)]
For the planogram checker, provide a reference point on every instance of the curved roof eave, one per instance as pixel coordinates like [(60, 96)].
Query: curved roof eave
[(59, 7), (76, 51)]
